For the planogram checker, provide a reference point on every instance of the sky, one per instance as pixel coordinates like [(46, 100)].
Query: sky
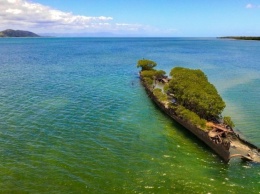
[(133, 18)]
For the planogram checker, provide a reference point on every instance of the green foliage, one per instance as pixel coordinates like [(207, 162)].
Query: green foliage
[(150, 75), (159, 73), (146, 64), (227, 121), (166, 87), (155, 74), (190, 116), (159, 94), (193, 91), (148, 81)]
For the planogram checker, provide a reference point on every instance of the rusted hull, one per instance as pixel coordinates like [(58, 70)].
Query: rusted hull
[(220, 149)]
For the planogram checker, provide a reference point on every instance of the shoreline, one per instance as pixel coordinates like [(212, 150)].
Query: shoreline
[(255, 38)]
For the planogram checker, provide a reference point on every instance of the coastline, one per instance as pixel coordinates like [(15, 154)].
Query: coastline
[(256, 38)]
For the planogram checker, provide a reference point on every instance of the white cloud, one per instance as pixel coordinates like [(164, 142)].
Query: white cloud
[(27, 15), (249, 6), (11, 1), (252, 6), (14, 11), (33, 14), (23, 14)]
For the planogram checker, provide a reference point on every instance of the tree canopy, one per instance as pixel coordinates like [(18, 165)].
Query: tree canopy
[(227, 121), (159, 74), (192, 90), (190, 116), (146, 64)]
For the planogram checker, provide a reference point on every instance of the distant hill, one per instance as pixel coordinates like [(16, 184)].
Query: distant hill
[(17, 33)]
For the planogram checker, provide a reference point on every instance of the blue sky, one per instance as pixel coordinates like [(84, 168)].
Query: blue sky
[(182, 18)]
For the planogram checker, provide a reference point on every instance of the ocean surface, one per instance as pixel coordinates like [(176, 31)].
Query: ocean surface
[(74, 117)]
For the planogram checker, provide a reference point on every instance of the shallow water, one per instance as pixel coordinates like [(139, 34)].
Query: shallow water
[(74, 117)]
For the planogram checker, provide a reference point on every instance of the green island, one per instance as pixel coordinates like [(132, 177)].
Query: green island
[(242, 37), (190, 99), (9, 33)]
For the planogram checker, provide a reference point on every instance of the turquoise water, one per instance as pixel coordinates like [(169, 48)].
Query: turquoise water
[(74, 117)]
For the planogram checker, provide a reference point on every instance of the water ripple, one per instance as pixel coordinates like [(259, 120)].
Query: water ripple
[(75, 119)]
